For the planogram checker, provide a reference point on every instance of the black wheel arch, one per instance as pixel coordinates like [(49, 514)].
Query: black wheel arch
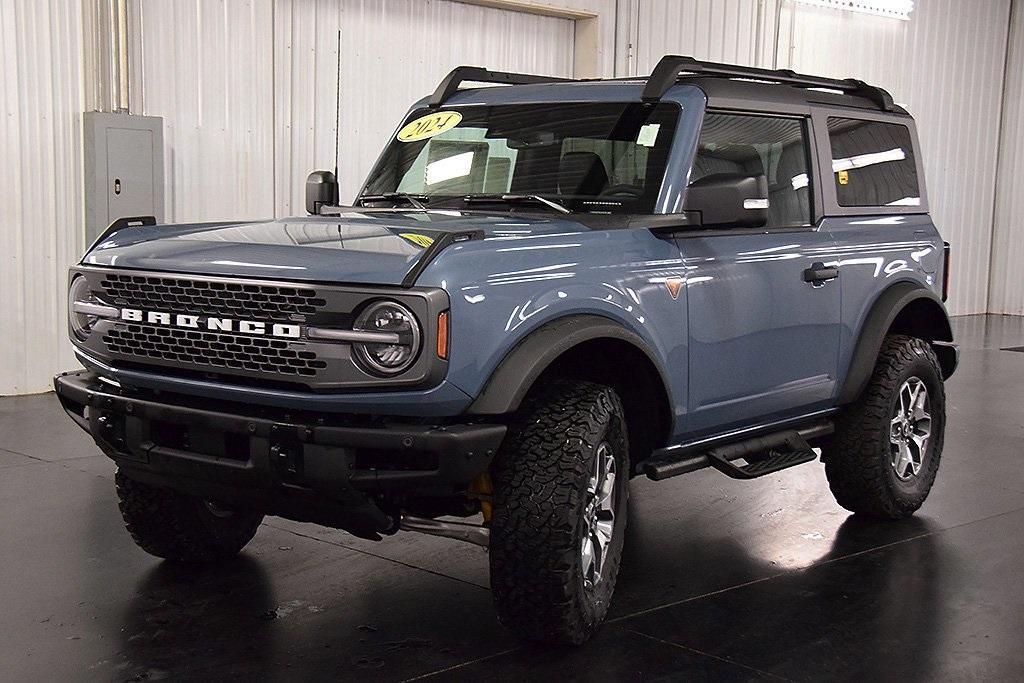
[(568, 347), (904, 308)]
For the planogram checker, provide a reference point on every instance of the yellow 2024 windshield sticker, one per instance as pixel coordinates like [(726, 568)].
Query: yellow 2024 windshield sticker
[(417, 239), (428, 126)]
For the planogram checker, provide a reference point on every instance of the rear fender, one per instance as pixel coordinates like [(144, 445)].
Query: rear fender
[(904, 308)]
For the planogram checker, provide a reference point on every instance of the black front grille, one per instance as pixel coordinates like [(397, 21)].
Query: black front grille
[(230, 299), (214, 349)]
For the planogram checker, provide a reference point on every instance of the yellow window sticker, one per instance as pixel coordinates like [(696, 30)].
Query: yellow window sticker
[(417, 239), (844, 177), (428, 126)]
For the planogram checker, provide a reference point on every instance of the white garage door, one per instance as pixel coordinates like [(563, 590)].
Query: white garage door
[(247, 87)]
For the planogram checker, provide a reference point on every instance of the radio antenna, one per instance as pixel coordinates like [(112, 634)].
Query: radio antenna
[(337, 121)]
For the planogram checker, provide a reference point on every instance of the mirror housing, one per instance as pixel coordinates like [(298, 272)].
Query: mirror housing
[(729, 200), (321, 190)]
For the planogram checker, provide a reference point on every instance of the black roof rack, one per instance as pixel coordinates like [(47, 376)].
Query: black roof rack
[(671, 67), (478, 74), (665, 75)]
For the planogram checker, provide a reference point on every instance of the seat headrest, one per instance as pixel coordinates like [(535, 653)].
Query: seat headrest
[(792, 162), (582, 173), (746, 156), (732, 158)]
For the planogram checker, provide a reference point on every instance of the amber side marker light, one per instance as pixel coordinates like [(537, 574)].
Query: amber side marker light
[(442, 335)]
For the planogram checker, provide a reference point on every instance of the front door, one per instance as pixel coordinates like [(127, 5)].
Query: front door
[(764, 313)]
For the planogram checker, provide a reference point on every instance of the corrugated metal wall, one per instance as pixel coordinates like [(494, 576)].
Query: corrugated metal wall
[(207, 69), (378, 85), (1006, 279), (305, 74), (247, 87), (946, 66), (733, 31), (41, 212)]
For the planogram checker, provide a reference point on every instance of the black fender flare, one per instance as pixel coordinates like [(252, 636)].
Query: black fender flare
[(884, 312), (517, 372)]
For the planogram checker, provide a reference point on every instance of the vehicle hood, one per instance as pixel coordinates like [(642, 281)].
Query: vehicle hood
[(357, 246)]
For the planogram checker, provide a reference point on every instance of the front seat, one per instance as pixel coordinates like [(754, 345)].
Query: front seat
[(582, 173), (788, 192), (741, 159)]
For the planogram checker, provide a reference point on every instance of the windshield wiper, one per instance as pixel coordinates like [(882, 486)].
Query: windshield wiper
[(510, 198), (415, 200)]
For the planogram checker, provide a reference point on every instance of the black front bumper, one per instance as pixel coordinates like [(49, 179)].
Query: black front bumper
[(315, 468)]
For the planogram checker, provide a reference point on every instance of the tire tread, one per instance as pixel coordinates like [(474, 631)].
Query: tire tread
[(177, 527), (539, 477), (856, 472)]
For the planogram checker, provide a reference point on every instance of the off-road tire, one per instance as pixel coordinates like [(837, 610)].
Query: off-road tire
[(857, 458), (540, 481), (182, 528)]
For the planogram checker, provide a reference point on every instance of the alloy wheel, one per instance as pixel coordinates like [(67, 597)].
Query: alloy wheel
[(598, 516), (910, 429)]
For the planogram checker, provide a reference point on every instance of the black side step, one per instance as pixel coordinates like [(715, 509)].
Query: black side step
[(764, 455)]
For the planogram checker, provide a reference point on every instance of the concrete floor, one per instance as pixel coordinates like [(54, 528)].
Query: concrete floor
[(721, 579)]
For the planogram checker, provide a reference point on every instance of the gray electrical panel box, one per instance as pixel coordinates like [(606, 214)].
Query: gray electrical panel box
[(124, 169)]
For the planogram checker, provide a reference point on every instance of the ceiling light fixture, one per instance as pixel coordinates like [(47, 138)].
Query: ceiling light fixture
[(893, 9)]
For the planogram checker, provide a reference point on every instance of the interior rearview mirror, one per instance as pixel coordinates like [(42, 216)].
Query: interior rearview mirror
[(544, 138), (321, 190), (729, 200)]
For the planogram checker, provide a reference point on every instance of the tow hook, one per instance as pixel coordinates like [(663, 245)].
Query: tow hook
[(460, 531)]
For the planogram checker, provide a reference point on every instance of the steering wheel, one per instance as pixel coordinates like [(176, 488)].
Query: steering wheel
[(621, 192)]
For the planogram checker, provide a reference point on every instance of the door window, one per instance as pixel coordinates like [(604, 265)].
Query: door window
[(772, 146)]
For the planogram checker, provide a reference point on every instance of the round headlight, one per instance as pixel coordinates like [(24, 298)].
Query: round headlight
[(388, 358), (81, 324)]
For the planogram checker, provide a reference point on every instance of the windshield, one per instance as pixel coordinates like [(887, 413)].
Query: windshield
[(596, 157)]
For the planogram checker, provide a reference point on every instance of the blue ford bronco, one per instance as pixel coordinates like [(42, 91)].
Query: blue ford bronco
[(541, 291)]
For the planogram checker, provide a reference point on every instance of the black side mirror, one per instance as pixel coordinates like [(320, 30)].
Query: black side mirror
[(321, 190), (729, 200)]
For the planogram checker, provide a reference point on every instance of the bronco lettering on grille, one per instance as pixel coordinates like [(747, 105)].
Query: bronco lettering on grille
[(198, 322)]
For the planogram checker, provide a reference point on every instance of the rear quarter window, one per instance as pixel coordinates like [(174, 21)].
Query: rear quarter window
[(873, 163)]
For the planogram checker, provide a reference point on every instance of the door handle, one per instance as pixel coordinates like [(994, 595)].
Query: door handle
[(819, 272)]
